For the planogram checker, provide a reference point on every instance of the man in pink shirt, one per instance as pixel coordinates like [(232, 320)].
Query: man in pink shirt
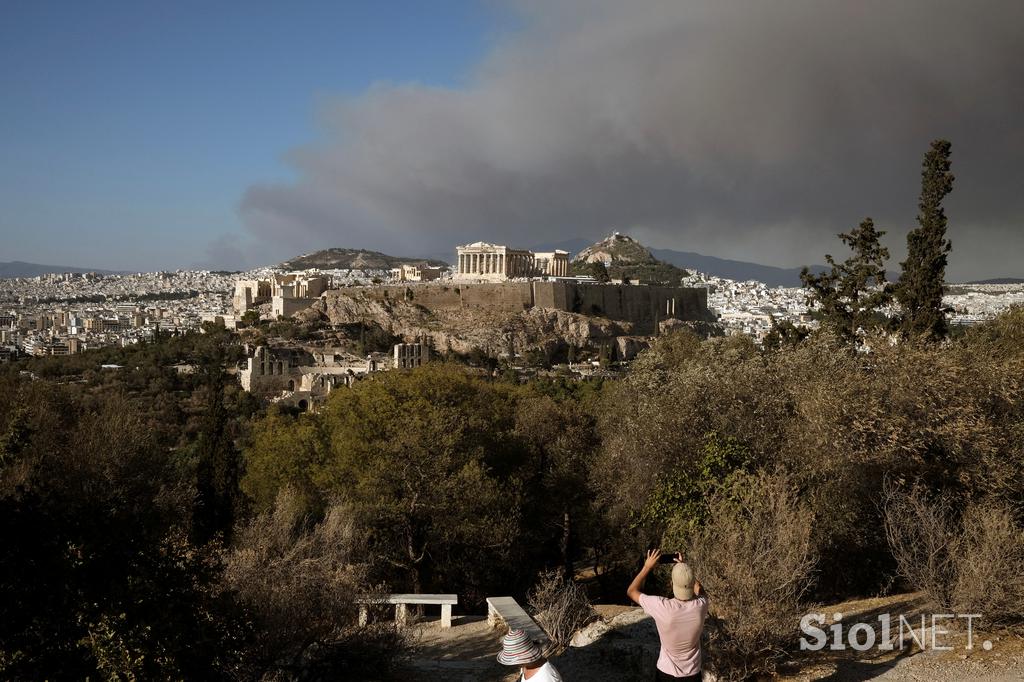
[(680, 620)]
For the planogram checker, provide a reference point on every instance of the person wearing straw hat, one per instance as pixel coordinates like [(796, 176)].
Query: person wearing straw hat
[(680, 620), (518, 649)]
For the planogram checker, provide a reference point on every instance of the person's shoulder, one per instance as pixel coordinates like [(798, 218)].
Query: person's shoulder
[(652, 599), (700, 602)]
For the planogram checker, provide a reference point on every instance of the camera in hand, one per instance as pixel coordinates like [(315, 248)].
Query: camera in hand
[(667, 558)]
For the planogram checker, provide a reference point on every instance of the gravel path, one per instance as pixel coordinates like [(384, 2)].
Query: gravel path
[(623, 647)]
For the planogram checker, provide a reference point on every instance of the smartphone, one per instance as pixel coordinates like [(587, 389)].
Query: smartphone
[(667, 558)]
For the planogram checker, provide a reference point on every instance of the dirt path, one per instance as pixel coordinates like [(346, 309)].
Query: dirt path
[(1003, 662), (624, 648)]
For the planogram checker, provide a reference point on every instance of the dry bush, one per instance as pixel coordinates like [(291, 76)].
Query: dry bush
[(990, 564), (755, 559), (970, 564), (561, 607), (922, 536), (299, 583)]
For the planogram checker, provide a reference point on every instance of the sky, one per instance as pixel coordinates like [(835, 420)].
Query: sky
[(142, 136)]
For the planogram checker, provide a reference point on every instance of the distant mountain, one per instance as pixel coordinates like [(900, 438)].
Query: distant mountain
[(999, 280), (17, 268), (738, 270), (353, 259)]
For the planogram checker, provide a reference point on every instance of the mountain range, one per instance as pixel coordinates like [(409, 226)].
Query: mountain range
[(17, 268)]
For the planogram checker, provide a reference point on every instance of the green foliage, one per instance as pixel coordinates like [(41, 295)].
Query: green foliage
[(919, 290), (784, 334), (425, 459), (597, 270), (251, 318), (850, 296), (648, 273), (679, 499), (96, 576)]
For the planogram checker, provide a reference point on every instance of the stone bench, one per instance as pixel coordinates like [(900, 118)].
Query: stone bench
[(508, 610), (401, 602)]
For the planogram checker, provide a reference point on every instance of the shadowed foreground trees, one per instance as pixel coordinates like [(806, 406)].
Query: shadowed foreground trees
[(458, 481), (435, 479)]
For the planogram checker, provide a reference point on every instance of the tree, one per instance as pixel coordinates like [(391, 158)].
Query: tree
[(251, 318), (217, 467), (561, 439), (850, 295), (597, 270), (427, 461), (919, 290)]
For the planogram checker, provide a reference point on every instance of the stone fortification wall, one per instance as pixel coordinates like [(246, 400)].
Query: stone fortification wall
[(503, 296), (644, 306)]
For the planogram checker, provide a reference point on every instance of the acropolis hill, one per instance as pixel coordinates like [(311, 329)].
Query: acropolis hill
[(500, 300)]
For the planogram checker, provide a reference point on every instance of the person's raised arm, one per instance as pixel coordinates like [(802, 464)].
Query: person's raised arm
[(633, 591)]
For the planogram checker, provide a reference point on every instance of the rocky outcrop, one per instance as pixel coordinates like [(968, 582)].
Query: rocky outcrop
[(618, 249), (463, 330)]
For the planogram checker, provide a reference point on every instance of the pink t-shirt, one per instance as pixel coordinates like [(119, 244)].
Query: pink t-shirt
[(679, 627)]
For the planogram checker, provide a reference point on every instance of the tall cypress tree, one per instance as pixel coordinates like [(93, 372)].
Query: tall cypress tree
[(851, 294), (919, 290)]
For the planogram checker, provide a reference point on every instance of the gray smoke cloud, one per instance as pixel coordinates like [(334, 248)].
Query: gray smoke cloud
[(749, 130)]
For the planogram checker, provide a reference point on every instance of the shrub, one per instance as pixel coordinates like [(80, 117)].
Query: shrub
[(922, 536), (561, 607), (754, 557), (990, 564), (299, 583), (968, 563)]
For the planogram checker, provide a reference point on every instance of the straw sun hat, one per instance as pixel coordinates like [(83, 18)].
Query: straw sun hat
[(517, 649)]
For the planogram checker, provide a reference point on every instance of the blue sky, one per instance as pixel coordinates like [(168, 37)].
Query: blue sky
[(130, 130)]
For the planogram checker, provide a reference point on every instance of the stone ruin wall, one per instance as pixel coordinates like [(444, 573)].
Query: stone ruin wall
[(644, 306)]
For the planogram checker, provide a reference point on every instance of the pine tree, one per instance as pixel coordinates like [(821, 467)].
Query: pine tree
[(851, 294), (919, 290)]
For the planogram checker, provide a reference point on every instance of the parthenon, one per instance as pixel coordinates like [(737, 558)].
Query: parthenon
[(497, 263)]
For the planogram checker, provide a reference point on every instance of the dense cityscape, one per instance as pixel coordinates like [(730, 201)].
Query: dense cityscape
[(64, 313)]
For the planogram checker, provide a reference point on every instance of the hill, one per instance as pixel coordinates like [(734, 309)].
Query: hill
[(622, 257), (353, 259), (999, 280), (740, 271), (17, 268)]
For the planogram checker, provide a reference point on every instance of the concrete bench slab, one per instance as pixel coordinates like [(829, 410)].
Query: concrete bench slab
[(401, 602), (508, 610)]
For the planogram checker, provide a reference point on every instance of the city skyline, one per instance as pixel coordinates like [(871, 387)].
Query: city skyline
[(160, 138)]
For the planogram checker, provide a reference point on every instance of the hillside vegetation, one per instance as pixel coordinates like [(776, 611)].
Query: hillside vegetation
[(621, 257), (159, 524), (352, 259)]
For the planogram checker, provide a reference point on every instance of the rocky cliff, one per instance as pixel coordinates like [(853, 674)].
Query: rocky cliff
[(618, 249), (462, 330)]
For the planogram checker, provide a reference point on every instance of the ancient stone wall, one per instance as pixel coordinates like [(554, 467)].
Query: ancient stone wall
[(644, 306), (504, 296)]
